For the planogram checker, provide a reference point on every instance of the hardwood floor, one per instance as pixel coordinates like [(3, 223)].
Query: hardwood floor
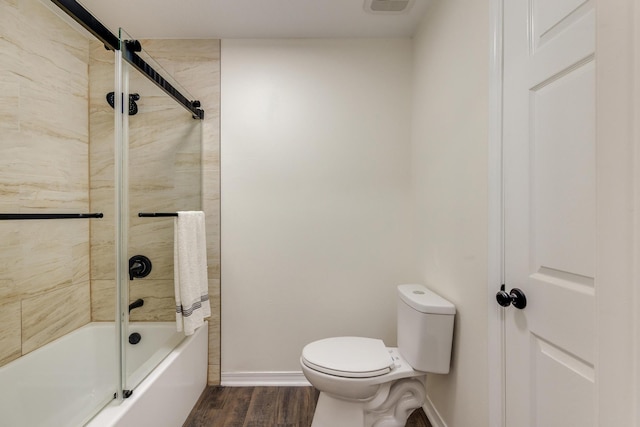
[(263, 407)]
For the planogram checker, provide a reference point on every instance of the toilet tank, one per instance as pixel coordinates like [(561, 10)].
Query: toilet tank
[(425, 328)]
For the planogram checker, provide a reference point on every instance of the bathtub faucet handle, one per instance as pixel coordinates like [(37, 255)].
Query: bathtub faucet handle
[(139, 266)]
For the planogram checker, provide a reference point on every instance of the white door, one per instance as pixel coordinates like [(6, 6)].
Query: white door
[(550, 211)]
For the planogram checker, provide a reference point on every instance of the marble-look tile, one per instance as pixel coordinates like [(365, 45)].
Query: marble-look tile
[(53, 74), (9, 290), (81, 261), (43, 173), (8, 7), (213, 269), (153, 237), (159, 300), (39, 256), (40, 22), (101, 71), (102, 189), (53, 314), (9, 104), (213, 374), (10, 333), (12, 153), (214, 322), (103, 259), (196, 62), (57, 110), (44, 144), (183, 51), (54, 172), (103, 300), (10, 42)]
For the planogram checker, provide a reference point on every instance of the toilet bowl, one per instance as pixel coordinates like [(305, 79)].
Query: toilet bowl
[(363, 383)]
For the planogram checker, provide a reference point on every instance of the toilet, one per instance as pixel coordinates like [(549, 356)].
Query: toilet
[(363, 383)]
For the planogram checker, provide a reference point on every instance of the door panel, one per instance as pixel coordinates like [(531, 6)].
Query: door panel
[(558, 373), (549, 18), (562, 311), (550, 205), (563, 175)]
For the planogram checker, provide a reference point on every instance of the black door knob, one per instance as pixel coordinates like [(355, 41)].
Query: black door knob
[(515, 297)]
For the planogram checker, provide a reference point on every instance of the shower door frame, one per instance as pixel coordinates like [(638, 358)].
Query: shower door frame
[(112, 42)]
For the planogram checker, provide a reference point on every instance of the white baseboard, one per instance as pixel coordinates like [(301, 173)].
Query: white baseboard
[(253, 379), (432, 414)]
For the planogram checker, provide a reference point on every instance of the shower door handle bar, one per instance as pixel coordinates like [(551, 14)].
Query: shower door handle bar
[(20, 216)]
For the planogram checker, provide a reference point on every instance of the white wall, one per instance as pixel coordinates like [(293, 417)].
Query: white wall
[(449, 163), (315, 194)]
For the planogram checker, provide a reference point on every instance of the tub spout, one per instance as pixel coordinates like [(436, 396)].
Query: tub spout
[(137, 303)]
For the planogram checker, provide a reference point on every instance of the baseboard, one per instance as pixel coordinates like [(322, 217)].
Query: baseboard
[(253, 379), (432, 414)]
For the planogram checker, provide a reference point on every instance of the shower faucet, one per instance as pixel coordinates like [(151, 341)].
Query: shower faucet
[(133, 107), (139, 266)]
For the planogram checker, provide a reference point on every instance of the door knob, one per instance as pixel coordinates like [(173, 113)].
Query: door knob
[(515, 297)]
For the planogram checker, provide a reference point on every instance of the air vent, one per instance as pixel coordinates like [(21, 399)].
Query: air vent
[(386, 6)]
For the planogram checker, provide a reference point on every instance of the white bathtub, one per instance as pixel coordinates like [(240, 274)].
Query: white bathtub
[(58, 384)]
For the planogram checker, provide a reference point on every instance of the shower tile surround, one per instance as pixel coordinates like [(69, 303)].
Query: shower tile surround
[(44, 141), (166, 175), (56, 276)]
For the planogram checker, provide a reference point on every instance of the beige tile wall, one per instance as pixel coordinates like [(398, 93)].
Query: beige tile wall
[(102, 191), (56, 276), (174, 166), (196, 65), (44, 143)]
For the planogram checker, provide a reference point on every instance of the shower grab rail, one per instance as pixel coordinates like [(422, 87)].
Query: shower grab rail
[(18, 216), (156, 214)]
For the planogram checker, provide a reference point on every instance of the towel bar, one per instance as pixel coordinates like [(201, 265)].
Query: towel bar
[(18, 216), (156, 214)]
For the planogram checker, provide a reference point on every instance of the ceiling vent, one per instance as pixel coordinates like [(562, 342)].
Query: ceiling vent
[(388, 6)]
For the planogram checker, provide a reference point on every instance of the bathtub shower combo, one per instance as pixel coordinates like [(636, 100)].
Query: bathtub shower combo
[(56, 384), (87, 163)]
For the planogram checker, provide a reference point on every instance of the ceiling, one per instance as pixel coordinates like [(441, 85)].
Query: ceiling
[(253, 18)]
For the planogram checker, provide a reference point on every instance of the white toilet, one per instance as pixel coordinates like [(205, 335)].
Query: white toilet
[(363, 383)]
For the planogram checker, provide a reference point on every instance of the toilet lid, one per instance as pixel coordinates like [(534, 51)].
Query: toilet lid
[(351, 357)]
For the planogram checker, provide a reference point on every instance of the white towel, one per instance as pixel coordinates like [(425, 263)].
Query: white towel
[(190, 271)]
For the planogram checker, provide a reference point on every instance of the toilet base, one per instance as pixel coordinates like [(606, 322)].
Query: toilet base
[(332, 412), (390, 407)]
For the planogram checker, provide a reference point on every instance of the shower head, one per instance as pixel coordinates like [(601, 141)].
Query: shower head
[(133, 107)]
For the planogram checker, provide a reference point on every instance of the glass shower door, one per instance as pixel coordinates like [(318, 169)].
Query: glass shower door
[(163, 153)]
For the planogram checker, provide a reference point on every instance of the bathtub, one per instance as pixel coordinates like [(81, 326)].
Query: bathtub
[(57, 384)]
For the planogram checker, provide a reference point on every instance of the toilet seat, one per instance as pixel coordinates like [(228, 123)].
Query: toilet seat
[(349, 357)]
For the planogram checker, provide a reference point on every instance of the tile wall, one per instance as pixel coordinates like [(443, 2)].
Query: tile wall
[(44, 143), (196, 65), (56, 276)]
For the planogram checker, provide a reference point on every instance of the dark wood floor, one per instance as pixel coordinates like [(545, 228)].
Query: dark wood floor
[(263, 407)]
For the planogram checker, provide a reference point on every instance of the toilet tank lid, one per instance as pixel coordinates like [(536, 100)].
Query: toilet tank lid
[(425, 301)]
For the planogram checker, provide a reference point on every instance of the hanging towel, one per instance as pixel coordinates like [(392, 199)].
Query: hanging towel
[(190, 271)]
